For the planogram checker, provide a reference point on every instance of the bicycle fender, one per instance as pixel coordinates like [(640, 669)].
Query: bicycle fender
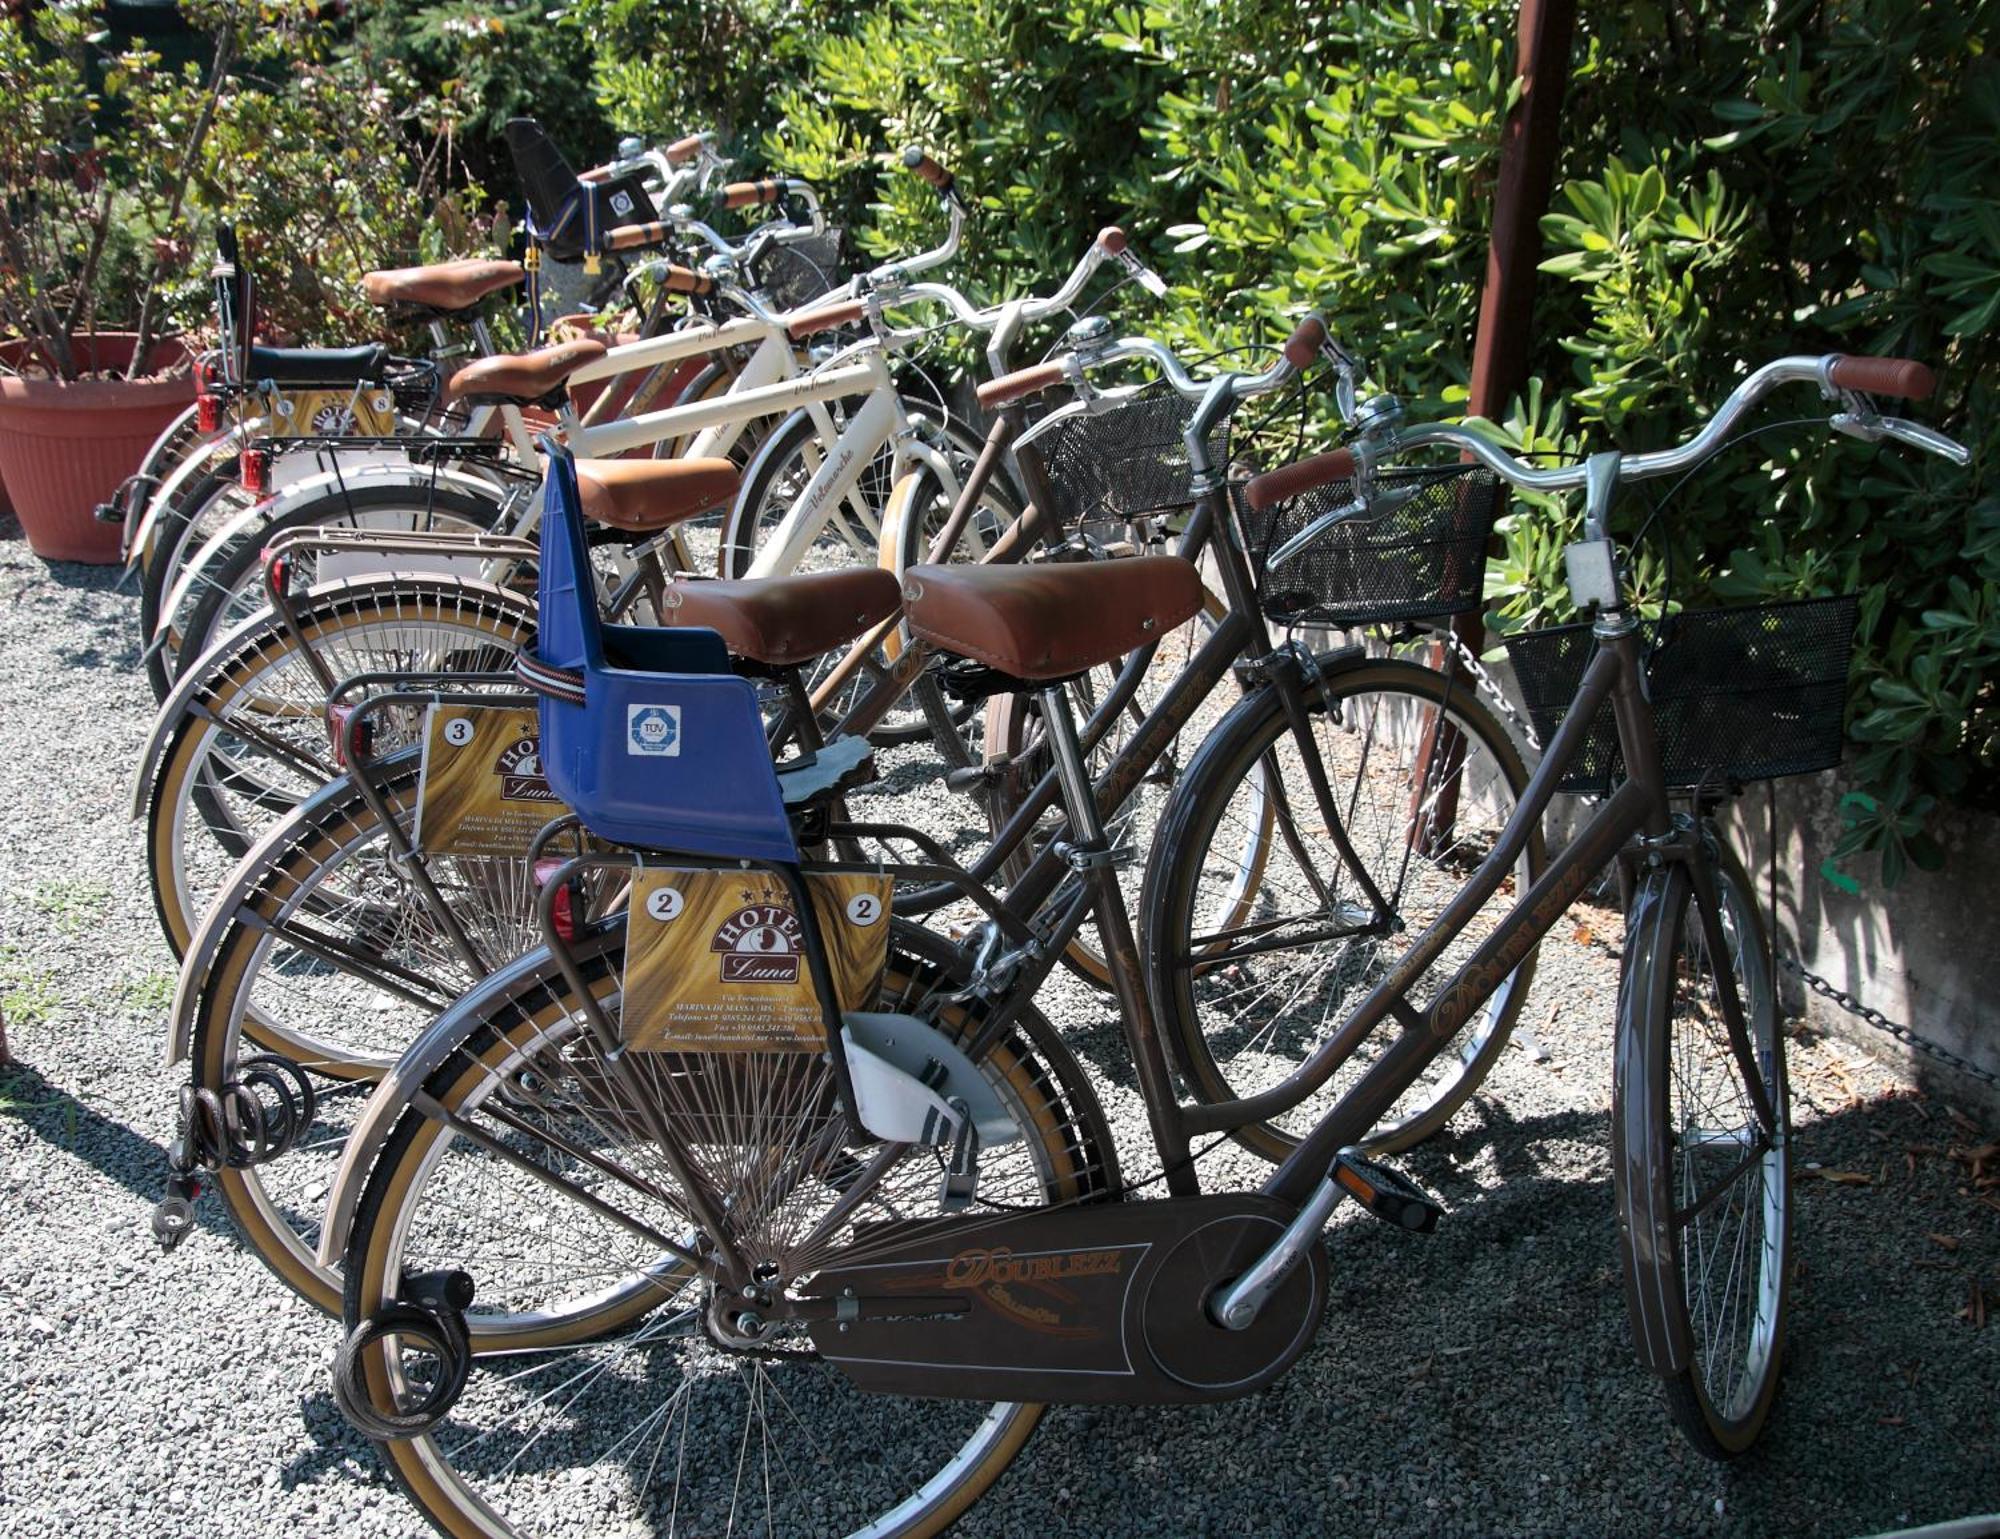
[(190, 469), (246, 889), (324, 485), (1645, 1214)]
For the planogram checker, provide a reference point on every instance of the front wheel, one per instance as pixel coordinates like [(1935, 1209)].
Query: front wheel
[(1259, 938), (1699, 1141)]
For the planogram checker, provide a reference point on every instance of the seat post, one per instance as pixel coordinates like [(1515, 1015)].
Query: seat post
[(1079, 795)]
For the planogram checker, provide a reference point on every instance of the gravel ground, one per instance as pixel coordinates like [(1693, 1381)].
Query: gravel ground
[(1480, 1381)]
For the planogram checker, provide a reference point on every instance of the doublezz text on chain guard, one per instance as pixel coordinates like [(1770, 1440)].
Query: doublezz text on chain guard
[(1098, 1303)]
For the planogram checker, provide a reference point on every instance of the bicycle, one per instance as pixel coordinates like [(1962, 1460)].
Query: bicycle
[(267, 670), (764, 1242), (259, 972)]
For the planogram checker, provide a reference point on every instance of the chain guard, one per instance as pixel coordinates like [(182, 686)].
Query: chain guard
[(1090, 1304)]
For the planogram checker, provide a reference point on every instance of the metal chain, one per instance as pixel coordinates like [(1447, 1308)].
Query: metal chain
[(1904, 1034), (1490, 686)]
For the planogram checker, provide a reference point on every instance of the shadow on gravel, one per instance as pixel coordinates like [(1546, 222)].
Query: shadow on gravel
[(334, 1448), (1482, 1381), (58, 1118)]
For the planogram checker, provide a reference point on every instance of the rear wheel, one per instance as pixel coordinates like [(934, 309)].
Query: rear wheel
[(258, 746), (232, 585), (664, 1426), (344, 1012), (1703, 1172)]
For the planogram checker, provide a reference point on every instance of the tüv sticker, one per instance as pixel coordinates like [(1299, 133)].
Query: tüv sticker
[(653, 729)]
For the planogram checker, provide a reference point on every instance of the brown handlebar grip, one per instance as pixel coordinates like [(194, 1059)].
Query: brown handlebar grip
[(917, 161), (681, 151), (625, 236), (750, 194), (1903, 378), (595, 174), (1303, 345), (1111, 240), (1021, 384), (685, 280), (826, 318), (1288, 481)]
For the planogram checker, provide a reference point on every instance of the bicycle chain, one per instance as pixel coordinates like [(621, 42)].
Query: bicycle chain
[(1827, 989)]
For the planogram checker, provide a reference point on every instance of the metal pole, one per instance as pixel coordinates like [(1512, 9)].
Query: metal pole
[(1528, 146)]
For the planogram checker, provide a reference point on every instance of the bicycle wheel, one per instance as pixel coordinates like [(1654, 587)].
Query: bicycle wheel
[(231, 586), (199, 507), (1703, 1182), (667, 1426), (1257, 938), (342, 1012), (258, 745)]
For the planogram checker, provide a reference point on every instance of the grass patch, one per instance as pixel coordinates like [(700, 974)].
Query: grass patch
[(28, 995), (150, 995), (76, 907)]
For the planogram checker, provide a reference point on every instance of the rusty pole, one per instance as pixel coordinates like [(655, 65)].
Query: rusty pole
[(1528, 145)]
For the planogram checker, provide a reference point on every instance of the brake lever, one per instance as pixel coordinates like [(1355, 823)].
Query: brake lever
[(1863, 422), (1929, 439), (1143, 275), (1348, 372)]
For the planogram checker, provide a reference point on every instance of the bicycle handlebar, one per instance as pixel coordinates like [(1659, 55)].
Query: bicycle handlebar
[(1298, 352), (1837, 374), (915, 160)]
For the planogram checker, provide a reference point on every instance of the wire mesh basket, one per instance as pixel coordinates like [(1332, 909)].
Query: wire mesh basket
[(1417, 552), (1124, 461), (1738, 694), (797, 272)]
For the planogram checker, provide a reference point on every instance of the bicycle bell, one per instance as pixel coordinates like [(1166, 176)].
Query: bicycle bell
[(1089, 335)]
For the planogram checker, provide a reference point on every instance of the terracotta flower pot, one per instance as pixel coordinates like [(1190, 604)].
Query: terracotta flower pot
[(65, 447)]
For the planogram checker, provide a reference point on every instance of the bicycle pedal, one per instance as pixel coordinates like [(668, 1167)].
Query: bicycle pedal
[(1385, 1193)]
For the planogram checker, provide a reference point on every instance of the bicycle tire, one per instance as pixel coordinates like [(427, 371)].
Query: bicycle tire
[(174, 539), (491, 623), (1669, 1037), (1266, 1045), (391, 1228)]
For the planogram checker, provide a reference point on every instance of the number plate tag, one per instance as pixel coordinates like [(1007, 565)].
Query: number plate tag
[(715, 960), (482, 791), (1593, 575)]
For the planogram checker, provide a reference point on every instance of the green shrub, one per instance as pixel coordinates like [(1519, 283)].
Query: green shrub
[(1735, 186)]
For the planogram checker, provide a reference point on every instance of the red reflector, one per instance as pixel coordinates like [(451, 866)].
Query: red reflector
[(567, 900), (348, 736), (253, 470), (208, 413)]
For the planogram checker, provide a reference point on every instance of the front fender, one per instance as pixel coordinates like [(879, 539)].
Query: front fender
[(322, 486)]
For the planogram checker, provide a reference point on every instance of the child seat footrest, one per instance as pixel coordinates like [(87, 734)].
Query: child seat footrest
[(844, 763)]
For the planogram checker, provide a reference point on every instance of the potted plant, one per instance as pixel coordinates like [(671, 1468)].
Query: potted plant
[(87, 231)]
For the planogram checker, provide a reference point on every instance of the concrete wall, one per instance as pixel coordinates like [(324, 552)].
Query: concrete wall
[(1925, 953)]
